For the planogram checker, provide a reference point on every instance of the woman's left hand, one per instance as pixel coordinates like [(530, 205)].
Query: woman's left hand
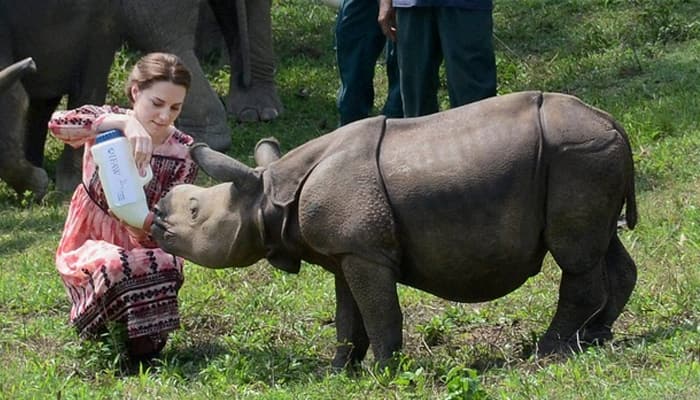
[(141, 143)]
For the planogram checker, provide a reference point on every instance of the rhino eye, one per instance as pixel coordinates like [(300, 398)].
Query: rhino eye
[(194, 208)]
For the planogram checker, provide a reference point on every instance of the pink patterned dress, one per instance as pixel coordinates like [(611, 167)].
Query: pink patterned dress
[(108, 274)]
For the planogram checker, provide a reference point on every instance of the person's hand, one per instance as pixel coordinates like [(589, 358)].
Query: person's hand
[(387, 19), (139, 138), (141, 143)]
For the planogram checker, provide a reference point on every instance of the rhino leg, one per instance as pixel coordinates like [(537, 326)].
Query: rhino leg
[(353, 341), (373, 288), (587, 186), (582, 297), (621, 274)]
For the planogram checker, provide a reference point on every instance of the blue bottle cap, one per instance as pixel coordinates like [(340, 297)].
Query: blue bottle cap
[(108, 135)]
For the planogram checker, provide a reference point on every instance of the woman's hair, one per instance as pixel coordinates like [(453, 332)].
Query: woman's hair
[(157, 67)]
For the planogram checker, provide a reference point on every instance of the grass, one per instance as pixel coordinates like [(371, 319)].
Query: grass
[(259, 333)]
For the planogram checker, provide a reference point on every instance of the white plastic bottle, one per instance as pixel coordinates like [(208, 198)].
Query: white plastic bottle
[(121, 181)]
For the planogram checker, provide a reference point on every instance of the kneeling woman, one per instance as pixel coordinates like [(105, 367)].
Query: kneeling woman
[(115, 273)]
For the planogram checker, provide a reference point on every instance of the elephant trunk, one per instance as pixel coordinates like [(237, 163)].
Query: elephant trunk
[(11, 74)]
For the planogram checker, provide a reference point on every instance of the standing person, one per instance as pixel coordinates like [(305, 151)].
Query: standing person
[(428, 31), (359, 42), (114, 273)]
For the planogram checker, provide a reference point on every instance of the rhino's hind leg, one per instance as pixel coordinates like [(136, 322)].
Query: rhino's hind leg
[(586, 188), (621, 274), (582, 297)]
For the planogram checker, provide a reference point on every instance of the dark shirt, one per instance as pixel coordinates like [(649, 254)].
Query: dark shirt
[(468, 4)]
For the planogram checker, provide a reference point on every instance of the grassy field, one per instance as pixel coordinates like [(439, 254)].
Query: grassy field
[(260, 333)]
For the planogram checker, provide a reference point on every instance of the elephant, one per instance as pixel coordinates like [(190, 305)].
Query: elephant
[(463, 204), (11, 74), (246, 28), (16, 170), (73, 44)]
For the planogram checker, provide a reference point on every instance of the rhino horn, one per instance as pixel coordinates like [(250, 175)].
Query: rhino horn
[(11, 74), (224, 168), (266, 151)]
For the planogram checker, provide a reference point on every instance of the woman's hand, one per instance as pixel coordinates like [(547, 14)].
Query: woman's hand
[(139, 138), (141, 143)]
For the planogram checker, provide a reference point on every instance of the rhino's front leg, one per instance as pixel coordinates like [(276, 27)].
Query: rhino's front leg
[(373, 288), (350, 330)]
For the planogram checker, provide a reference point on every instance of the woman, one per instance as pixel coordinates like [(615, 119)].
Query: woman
[(113, 272)]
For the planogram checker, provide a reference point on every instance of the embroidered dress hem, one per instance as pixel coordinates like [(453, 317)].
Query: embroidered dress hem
[(146, 304)]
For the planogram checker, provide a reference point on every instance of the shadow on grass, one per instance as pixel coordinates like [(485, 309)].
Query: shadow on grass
[(486, 355), (657, 334), (242, 365)]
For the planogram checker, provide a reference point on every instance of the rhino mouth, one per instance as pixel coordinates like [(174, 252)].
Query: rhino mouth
[(160, 230)]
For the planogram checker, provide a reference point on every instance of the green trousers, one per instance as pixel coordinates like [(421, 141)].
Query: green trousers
[(462, 38), (359, 42)]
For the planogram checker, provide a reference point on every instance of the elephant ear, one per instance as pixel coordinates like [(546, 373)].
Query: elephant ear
[(224, 168)]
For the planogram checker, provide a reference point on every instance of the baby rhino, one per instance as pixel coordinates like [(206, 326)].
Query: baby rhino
[(463, 204)]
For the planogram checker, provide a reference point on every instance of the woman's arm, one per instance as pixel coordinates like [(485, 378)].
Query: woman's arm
[(76, 127)]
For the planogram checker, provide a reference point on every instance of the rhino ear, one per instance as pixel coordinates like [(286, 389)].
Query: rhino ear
[(266, 151), (222, 167)]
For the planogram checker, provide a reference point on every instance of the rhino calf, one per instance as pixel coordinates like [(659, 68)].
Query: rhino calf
[(463, 204)]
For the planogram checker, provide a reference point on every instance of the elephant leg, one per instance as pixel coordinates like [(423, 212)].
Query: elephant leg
[(15, 169), (68, 169), (353, 341), (621, 274), (262, 94), (373, 286), (247, 29), (38, 116)]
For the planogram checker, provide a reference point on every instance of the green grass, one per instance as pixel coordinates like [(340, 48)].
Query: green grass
[(260, 333)]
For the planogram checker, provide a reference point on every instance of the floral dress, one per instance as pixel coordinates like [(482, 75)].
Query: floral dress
[(108, 274)]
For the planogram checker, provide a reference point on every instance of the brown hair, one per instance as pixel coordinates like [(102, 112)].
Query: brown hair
[(157, 67)]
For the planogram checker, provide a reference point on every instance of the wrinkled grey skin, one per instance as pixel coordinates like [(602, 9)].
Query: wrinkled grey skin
[(14, 167), (73, 44), (463, 204), (246, 27)]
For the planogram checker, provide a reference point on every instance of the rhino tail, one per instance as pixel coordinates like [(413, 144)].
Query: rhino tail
[(630, 195)]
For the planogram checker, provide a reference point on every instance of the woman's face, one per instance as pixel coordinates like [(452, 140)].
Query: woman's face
[(157, 107)]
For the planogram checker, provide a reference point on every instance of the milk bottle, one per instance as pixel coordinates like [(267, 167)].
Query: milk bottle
[(121, 181)]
